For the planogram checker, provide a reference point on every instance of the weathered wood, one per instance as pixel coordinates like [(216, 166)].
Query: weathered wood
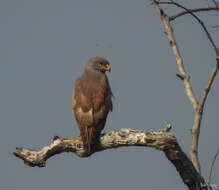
[(161, 140)]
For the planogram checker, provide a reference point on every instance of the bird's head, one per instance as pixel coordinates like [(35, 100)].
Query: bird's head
[(99, 64)]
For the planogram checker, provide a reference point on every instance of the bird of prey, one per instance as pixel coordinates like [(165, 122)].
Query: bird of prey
[(92, 101)]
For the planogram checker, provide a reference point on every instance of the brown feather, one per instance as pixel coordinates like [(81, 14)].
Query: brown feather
[(91, 103)]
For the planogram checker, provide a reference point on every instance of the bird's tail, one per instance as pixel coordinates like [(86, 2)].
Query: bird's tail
[(90, 137)]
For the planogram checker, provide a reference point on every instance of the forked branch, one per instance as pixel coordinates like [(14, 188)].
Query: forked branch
[(197, 105), (199, 21), (179, 61), (194, 11)]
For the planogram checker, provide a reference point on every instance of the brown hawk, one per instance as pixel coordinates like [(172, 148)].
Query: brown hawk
[(92, 101)]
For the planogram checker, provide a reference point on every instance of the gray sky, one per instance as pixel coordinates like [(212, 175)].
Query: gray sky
[(44, 47)]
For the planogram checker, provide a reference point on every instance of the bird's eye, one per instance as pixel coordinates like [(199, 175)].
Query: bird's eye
[(99, 64)]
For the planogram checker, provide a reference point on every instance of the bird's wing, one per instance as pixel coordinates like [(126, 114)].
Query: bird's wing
[(91, 102), (109, 96), (82, 104)]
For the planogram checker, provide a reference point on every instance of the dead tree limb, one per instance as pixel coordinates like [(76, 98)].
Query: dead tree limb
[(161, 140), (184, 75), (114, 139), (193, 11), (198, 106), (199, 21), (209, 84), (179, 61)]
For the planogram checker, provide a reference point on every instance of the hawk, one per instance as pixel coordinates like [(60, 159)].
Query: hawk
[(92, 101)]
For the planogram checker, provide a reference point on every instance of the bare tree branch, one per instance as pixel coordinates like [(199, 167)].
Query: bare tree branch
[(160, 140), (183, 74), (199, 20), (114, 139), (198, 112), (211, 167), (197, 106), (179, 60), (193, 11), (208, 85)]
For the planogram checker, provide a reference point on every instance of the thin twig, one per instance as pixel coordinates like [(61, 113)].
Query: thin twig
[(193, 11), (208, 85), (211, 167), (199, 20)]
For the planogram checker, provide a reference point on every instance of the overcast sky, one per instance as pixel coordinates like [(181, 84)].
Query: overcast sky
[(44, 47)]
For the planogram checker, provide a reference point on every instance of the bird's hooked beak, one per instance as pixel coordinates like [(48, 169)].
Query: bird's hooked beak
[(107, 68)]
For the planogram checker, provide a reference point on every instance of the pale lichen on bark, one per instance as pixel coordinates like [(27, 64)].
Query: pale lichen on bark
[(161, 140), (113, 139)]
